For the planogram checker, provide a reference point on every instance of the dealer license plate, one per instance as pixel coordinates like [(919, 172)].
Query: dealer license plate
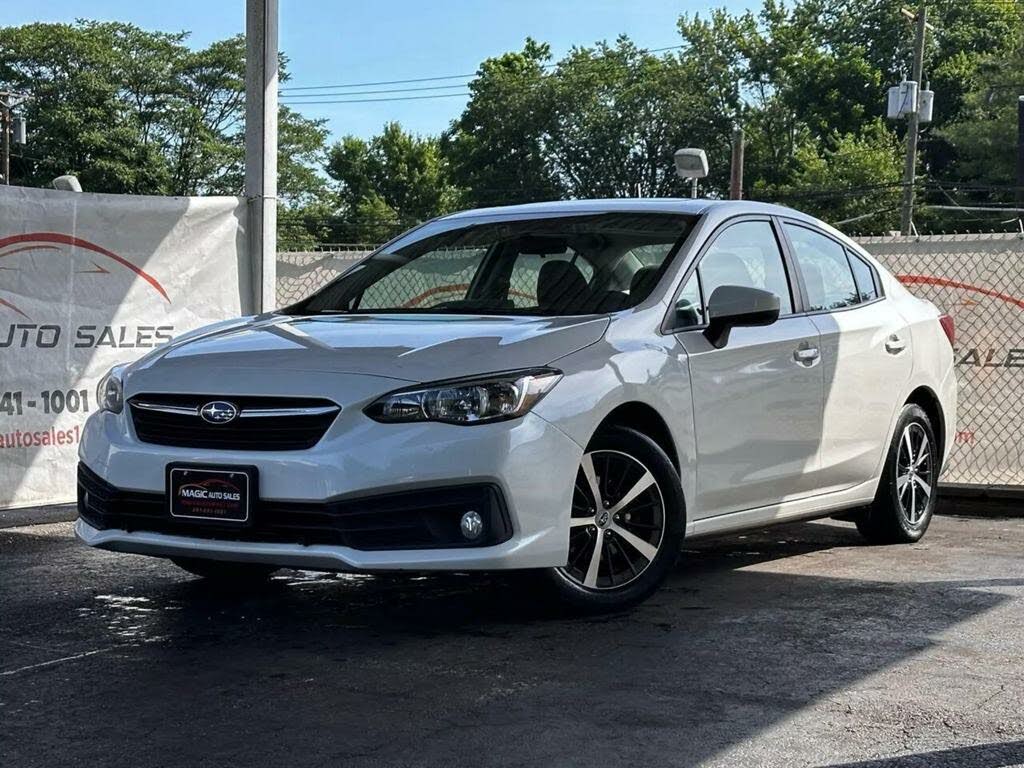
[(210, 493)]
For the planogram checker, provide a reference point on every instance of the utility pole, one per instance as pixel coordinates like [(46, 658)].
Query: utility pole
[(8, 101), (910, 169), (261, 59), (736, 170)]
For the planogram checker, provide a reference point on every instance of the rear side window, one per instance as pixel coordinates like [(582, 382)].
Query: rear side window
[(864, 277), (825, 269)]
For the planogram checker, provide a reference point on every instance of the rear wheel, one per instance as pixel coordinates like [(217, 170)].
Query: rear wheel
[(906, 496), (626, 523), (224, 572)]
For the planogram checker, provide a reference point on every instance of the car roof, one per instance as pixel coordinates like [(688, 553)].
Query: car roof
[(684, 205)]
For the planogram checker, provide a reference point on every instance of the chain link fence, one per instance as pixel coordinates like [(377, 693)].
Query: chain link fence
[(978, 279), (301, 273)]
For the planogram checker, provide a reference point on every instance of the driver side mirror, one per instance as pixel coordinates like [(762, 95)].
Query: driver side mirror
[(731, 306)]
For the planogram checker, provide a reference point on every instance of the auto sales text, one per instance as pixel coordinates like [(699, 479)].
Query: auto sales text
[(49, 336)]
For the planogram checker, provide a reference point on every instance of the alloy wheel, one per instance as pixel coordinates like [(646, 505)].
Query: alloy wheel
[(617, 523), (914, 470)]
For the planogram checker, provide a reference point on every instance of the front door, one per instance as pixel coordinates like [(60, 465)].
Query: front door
[(757, 402)]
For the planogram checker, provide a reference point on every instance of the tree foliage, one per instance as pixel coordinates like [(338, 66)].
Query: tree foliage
[(393, 179), (130, 110), (133, 111)]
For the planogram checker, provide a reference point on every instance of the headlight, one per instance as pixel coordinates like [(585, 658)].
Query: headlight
[(109, 392), (474, 400)]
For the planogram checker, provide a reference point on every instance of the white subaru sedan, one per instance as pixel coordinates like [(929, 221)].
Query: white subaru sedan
[(570, 388)]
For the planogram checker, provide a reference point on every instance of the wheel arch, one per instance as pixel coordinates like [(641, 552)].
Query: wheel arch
[(925, 398), (645, 419)]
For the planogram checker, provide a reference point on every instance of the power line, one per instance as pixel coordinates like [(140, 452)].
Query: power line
[(367, 101), (369, 93), (379, 82), (465, 77)]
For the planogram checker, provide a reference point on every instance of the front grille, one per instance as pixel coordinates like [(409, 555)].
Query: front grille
[(424, 519), (262, 424)]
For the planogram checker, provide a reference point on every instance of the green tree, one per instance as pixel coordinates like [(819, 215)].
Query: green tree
[(496, 147), (601, 122), (618, 114), (133, 111), (99, 92), (392, 180), (853, 177)]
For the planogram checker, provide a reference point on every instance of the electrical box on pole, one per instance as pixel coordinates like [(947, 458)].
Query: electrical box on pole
[(906, 98), (20, 130), (902, 100), (925, 101)]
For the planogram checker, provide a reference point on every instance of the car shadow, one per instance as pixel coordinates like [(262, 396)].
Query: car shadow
[(478, 669), (974, 756)]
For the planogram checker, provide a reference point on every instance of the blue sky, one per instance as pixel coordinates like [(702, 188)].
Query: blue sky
[(345, 42)]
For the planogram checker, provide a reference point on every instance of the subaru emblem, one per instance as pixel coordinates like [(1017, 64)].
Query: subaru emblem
[(218, 412)]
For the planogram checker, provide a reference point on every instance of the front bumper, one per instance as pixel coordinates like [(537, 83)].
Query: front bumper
[(530, 464)]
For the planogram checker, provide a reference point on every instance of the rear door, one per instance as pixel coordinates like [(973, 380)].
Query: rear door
[(865, 354), (757, 402)]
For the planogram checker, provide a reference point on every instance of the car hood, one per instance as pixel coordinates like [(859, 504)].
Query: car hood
[(414, 348)]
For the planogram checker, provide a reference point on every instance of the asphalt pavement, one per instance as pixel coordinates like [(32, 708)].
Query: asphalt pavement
[(794, 646)]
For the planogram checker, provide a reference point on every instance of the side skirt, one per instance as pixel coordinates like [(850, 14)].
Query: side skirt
[(823, 505)]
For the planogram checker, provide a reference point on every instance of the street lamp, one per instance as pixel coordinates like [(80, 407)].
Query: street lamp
[(67, 183), (691, 163)]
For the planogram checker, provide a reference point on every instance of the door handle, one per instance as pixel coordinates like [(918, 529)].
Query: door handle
[(806, 355), (894, 345)]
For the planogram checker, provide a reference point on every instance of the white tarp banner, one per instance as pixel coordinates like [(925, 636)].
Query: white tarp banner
[(88, 281)]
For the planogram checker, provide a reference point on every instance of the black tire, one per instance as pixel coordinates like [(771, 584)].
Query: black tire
[(898, 515), (224, 572), (636, 521)]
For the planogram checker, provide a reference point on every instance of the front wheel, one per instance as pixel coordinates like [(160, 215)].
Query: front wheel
[(905, 500), (626, 525)]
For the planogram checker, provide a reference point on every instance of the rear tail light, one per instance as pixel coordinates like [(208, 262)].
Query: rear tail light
[(947, 326)]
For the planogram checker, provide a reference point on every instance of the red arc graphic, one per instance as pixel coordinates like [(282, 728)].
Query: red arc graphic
[(943, 282), (33, 240)]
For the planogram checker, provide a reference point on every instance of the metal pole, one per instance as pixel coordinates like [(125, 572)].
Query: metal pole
[(736, 170), (693, 187), (5, 127), (913, 123), (1020, 151), (261, 148)]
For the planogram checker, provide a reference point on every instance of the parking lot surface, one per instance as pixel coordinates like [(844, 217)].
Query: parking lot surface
[(795, 646)]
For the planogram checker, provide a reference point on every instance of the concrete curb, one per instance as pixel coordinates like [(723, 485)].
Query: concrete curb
[(57, 513)]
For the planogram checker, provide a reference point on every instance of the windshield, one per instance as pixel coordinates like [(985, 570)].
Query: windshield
[(563, 265)]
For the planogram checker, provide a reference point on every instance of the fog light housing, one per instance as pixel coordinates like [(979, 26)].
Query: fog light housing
[(471, 525)]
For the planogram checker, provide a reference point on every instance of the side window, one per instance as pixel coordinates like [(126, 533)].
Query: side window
[(745, 254), (434, 278), (689, 306), (637, 270), (864, 277), (825, 269), (522, 289)]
